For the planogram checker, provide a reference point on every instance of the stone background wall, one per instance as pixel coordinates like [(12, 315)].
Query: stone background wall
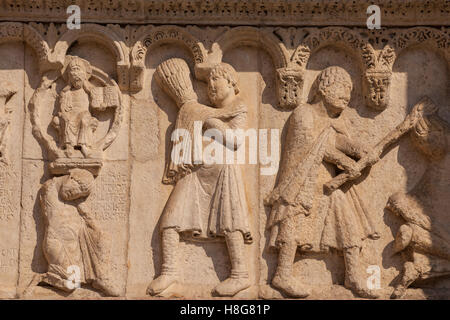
[(129, 197)]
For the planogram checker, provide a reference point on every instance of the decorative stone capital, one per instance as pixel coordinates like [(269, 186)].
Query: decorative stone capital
[(290, 86), (377, 85)]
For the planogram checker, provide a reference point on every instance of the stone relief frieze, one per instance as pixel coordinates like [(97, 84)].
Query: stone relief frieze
[(362, 179)]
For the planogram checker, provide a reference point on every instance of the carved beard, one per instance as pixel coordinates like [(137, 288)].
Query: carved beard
[(77, 83)]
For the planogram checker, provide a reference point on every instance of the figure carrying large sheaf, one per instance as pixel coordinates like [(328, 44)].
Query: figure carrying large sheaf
[(208, 201), (424, 238), (304, 216)]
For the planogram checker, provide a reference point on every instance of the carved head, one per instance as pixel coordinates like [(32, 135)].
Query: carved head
[(222, 83), (377, 88), (173, 75), (333, 87), (430, 135), (77, 72), (77, 184)]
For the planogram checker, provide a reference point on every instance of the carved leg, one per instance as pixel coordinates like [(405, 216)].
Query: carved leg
[(354, 280), (410, 274), (169, 274), (283, 279), (238, 279)]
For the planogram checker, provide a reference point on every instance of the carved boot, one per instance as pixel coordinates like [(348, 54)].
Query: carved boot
[(108, 287), (353, 277), (169, 274), (238, 279), (410, 274), (283, 279)]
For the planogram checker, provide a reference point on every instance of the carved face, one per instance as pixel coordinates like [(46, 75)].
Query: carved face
[(77, 76), (71, 189), (337, 96), (219, 89)]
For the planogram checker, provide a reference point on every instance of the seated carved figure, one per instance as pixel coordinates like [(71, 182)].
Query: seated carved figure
[(77, 251), (74, 121), (424, 238)]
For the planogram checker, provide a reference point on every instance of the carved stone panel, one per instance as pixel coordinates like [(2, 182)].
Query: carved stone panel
[(240, 149)]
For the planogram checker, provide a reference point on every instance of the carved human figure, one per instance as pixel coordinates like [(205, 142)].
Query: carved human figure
[(304, 215), (424, 238), (7, 90), (76, 249), (74, 121), (208, 200)]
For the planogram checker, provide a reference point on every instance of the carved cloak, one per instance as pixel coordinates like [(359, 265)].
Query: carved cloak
[(322, 221)]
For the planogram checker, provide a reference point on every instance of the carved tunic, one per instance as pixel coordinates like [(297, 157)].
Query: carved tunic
[(74, 106), (208, 200), (322, 221)]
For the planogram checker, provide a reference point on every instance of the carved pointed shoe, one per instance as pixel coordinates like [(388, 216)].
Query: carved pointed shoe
[(238, 279), (161, 283), (234, 284), (355, 286), (108, 287), (354, 280), (290, 286), (363, 292)]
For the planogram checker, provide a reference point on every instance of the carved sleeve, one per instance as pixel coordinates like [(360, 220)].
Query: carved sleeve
[(236, 122), (48, 198), (340, 159), (349, 147), (299, 137)]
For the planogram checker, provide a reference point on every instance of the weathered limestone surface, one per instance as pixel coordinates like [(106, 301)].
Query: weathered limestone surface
[(92, 203)]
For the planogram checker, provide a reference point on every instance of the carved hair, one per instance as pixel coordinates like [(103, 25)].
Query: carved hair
[(227, 72), (327, 78), (73, 61), (174, 76), (84, 178)]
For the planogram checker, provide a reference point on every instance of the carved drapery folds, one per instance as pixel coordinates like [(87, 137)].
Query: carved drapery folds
[(89, 96)]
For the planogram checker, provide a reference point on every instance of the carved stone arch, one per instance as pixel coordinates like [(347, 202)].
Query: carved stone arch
[(46, 89), (252, 37), (425, 37), (376, 75), (101, 35), (288, 78), (16, 31), (336, 36), (153, 37)]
